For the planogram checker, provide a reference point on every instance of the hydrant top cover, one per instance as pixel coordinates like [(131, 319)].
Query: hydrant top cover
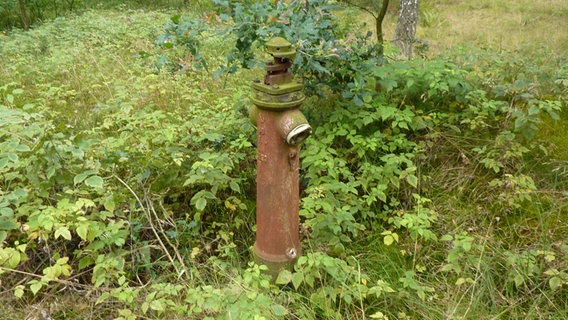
[(280, 48)]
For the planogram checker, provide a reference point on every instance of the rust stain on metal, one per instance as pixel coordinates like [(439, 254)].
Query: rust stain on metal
[(277, 211), (293, 159), (277, 71)]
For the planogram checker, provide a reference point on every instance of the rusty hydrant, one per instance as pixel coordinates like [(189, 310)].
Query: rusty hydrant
[(281, 128)]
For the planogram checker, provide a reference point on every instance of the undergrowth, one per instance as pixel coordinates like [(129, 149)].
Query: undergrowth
[(432, 188)]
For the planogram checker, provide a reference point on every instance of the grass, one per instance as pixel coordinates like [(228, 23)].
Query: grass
[(529, 27), (86, 63), (500, 25)]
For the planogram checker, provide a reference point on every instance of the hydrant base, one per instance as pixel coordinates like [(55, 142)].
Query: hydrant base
[(274, 264)]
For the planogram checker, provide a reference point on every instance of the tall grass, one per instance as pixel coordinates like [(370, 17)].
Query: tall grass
[(84, 64)]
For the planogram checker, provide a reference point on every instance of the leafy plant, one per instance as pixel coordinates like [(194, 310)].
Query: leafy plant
[(430, 188)]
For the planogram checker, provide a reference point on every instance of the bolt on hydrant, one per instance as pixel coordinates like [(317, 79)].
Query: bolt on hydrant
[(281, 128)]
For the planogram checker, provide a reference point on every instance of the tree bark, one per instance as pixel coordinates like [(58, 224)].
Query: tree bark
[(25, 20), (405, 33), (379, 23)]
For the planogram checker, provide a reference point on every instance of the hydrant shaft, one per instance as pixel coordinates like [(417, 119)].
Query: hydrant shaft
[(277, 239)]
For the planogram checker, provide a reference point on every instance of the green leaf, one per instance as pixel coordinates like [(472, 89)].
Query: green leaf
[(554, 283), (554, 115), (200, 204), (279, 310), (80, 177), (109, 204), (63, 232), (412, 180), (381, 195), (99, 280), (157, 305), (145, 307), (551, 272), (12, 157), (95, 182), (14, 259), (388, 84), (19, 291), (357, 101), (175, 18), (22, 148), (82, 231), (35, 286), (235, 186), (310, 280), (10, 98), (377, 315), (388, 240), (3, 162), (85, 262), (104, 296), (8, 224), (121, 280), (519, 280), (284, 277), (297, 279), (8, 116)]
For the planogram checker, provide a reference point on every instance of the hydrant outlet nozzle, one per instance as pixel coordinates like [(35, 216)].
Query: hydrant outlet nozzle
[(293, 126), (299, 134)]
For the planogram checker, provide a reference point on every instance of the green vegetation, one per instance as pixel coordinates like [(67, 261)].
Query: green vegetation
[(34, 12), (435, 188)]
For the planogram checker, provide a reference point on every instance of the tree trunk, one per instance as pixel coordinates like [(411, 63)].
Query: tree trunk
[(405, 33), (378, 13), (379, 23), (24, 15)]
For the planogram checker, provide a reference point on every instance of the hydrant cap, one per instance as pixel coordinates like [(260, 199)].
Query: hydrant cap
[(280, 48)]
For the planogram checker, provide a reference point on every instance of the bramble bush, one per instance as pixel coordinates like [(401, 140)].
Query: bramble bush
[(145, 196)]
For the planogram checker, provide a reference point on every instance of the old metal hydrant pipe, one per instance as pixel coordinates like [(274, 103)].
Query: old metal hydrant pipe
[(291, 124), (281, 128)]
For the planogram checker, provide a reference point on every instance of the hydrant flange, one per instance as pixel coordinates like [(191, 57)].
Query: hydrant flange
[(278, 97)]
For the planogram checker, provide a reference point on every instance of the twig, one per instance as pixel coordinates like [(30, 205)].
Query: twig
[(176, 251), (163, 247), (65, 282)]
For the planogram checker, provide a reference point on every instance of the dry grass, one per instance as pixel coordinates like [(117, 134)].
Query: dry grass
[(504, 24), (496, 24)]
